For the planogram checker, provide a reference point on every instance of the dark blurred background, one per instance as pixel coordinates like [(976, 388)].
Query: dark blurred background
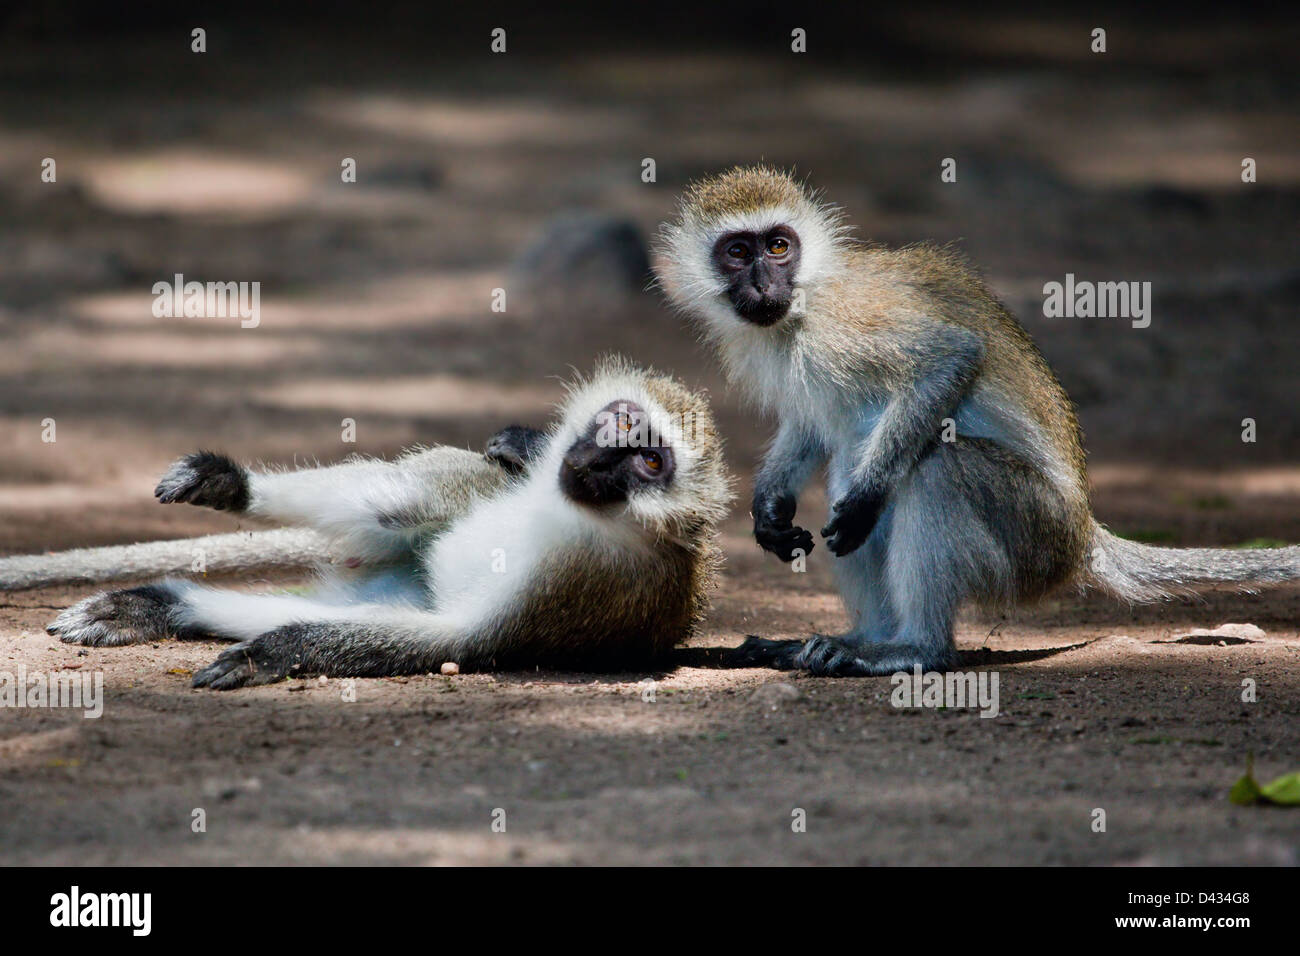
[(522, 171)]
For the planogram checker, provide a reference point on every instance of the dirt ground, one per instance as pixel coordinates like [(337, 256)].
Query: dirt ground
[(375, 306)]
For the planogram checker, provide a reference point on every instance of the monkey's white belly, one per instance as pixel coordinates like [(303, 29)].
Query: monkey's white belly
[(485, 558)]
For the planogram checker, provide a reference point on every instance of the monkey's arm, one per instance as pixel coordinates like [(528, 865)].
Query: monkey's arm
[(790, 462), (373, 510), (946, 360), (216, 481)]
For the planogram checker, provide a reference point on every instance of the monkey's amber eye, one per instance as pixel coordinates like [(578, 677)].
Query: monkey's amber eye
[(778, 246), (624, 423), (652, 460), (738, 250)]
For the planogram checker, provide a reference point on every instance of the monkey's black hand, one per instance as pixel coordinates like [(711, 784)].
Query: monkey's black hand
[(205, 478), (852, 519), (774, 527), (265, 659), (514, 447)]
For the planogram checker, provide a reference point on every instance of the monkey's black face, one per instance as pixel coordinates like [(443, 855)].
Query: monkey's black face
[(760, 270), (619, 456)]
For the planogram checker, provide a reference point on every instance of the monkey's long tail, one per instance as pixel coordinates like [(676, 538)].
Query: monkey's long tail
[(214, 553), (1141, 573)]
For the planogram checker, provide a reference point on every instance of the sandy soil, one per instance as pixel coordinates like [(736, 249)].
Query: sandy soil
[(375, 307)]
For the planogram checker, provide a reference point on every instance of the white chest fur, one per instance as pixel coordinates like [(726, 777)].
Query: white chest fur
[(487, 557), (484, 557)]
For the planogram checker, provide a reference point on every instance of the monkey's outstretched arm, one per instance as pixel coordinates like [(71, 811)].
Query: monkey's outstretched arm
[(373, 510), (946, 361), (790, 462), (387, 643), (432, 481)]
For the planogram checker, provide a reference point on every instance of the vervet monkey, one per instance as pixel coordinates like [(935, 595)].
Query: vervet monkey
[(597, 554), (886, 347)]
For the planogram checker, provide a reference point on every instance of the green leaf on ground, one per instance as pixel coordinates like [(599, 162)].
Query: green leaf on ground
[(1282, 792)]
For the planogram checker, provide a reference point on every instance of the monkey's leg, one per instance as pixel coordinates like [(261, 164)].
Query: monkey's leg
[(864, 588), (385, 642), (972, 520), (916, 578), (865, 592), (183, 609)]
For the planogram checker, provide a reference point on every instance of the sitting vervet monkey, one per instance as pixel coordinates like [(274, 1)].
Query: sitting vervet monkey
[(596, 553), (888, 349)]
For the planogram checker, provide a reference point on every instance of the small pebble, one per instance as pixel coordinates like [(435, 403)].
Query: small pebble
[(451, 667), (772, 695)]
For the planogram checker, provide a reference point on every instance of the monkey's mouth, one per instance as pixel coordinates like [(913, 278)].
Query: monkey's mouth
[(592, 490), (589, 475), (758, 309)]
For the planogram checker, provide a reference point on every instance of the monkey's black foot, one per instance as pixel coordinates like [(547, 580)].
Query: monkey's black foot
[(832, 657), (761, 652), (841, 657), (112, 618), (205, 478), (513, 447), (263, 660)]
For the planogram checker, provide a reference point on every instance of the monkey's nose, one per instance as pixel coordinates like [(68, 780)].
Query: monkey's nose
[(761, 278)]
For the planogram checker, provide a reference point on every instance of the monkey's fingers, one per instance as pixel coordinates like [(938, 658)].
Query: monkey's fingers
[(844, 541), (852, 520), (837, 535), (207, 479), (786, 542), (514, 446), (842, 538), (245, 664), (832, 657)]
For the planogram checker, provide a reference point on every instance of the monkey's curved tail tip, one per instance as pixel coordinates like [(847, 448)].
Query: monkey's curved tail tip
[(1141, 573)]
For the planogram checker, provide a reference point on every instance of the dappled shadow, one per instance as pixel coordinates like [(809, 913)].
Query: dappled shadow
[(717, 657), (988, 657), (376, 306), (416, 768)]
